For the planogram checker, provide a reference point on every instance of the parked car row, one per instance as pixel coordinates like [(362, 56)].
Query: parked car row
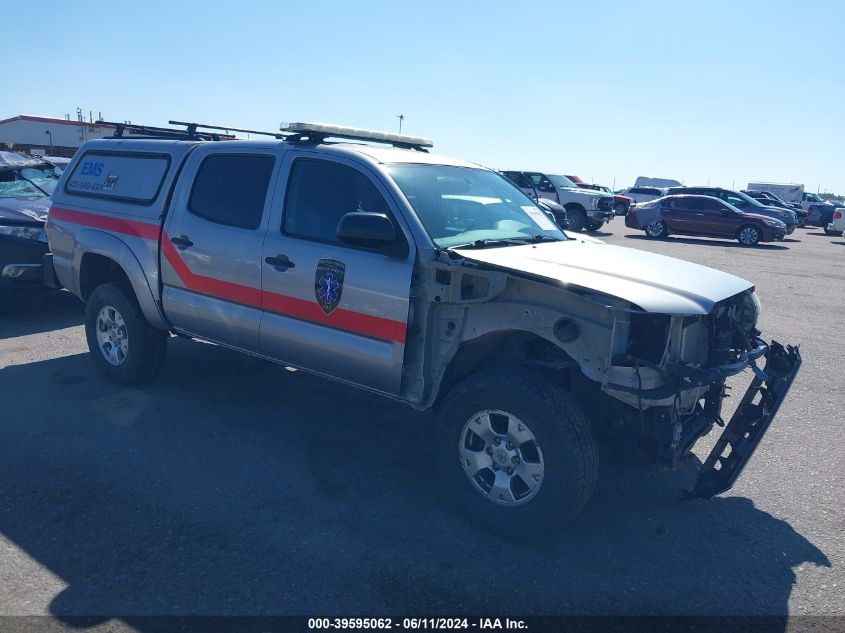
[(703, 215)]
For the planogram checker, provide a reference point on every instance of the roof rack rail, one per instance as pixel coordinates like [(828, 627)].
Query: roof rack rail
[(153, 132), (192, 129), (318, 132)]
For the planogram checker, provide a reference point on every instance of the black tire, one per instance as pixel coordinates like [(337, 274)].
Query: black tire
[(620, 209), (657, 230), (561, 429), (147, 346), (577, 220), (749, 235), (827, 231), (592, 227)]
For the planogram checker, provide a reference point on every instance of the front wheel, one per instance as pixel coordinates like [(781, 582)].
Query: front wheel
[(620, 209), (749, 235), (592, 227), (576, 219), (124, 346), (516, 452)]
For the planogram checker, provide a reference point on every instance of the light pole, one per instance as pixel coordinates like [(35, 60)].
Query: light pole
[(401, 118), (50, 136)]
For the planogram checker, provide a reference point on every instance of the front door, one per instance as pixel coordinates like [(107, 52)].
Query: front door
[(328, 307), (211, 245), (717, 220)]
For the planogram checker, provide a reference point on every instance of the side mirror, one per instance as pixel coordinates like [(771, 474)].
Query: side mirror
[(368, 230)]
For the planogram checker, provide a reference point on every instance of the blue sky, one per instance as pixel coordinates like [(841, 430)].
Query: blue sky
[(719, 92)]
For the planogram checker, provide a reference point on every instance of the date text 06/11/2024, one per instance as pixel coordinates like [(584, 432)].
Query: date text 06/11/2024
[(413, 624)]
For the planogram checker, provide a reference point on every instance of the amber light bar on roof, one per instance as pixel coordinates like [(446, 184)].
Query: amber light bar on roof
[(354, 133)]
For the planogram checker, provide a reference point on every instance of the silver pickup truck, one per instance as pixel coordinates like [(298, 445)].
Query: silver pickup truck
[(425, 279)]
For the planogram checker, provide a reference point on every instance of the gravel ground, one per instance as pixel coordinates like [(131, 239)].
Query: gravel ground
[(232, 486)]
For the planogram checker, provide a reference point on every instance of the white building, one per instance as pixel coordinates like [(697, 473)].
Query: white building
[(48, 136)]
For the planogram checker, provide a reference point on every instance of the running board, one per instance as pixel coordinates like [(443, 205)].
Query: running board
[(750, 422)]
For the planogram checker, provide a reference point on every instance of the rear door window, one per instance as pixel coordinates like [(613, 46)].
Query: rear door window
[(231, 189)]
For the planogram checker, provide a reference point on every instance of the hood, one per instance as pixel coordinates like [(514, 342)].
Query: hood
[(654, 283), (787, 213), (761, 217), (590, 193), (30, 210)]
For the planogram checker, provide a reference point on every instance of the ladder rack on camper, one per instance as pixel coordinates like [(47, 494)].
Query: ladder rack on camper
[(304, 133)]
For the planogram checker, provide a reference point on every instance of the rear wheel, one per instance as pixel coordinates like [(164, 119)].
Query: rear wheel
[(619, 209), (516, 452), (827, 231), (124, 346), (577, 219), (749, 235), (656, 229)]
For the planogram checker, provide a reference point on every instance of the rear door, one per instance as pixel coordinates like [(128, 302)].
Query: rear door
[(211, 245), (329, 307), (676, 214), (522, 181), (544, 186)]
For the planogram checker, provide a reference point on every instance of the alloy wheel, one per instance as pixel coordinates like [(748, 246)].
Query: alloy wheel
[(749, 236), (112, 337), (501, 457)]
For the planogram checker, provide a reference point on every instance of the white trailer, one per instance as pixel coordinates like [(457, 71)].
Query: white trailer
[(786, 192), (648, 181)]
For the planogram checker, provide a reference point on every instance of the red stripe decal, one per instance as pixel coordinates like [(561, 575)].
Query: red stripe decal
[(118, 225), (208, 285), (366, 324), (374, 326)]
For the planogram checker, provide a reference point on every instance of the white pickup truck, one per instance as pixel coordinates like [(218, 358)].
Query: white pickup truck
[(585, 209), (427, 280)]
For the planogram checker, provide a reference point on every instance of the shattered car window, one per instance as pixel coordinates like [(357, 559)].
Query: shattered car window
[(12, 187), (43, 176)]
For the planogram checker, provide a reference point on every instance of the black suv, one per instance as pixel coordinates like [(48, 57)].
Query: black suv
[(744, 203)]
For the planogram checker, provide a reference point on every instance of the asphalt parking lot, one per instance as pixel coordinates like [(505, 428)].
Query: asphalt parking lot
[(232, 486)]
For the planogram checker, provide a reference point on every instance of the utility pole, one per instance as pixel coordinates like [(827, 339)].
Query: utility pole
[(401, 118)]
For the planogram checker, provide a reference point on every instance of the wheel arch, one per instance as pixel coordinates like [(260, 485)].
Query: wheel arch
[(100, 258), (502, 347)]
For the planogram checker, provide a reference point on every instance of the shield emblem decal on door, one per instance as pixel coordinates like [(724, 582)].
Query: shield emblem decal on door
[(328, 283)]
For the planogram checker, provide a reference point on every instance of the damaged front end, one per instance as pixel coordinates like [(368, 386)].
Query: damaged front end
[(673, 370)]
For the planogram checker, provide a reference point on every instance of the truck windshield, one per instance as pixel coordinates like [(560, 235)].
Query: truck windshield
[(562, 181), (462, 206)]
